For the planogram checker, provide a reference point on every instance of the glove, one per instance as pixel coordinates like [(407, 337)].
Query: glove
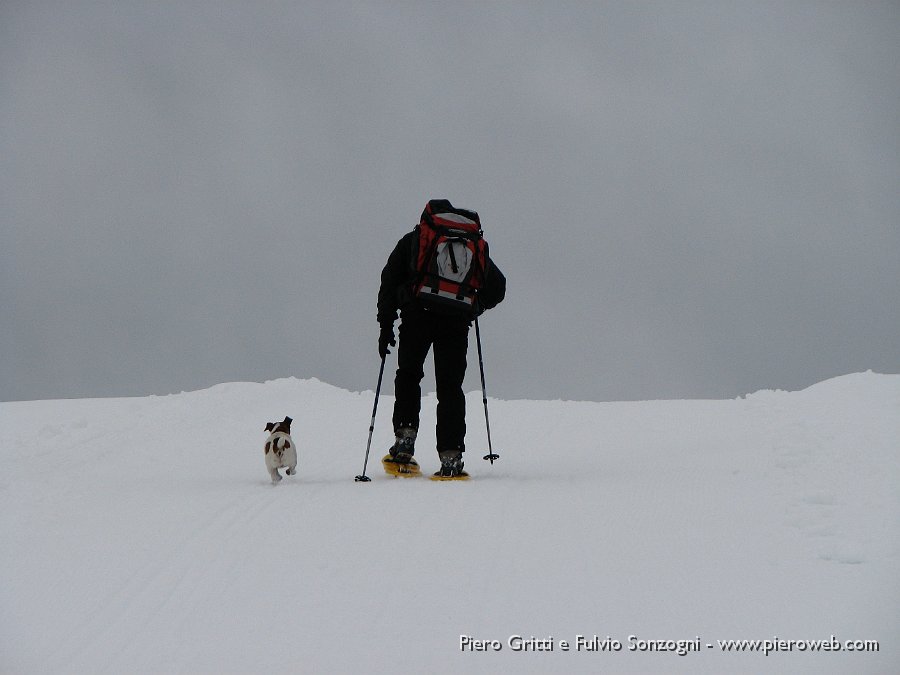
[(385, 339)]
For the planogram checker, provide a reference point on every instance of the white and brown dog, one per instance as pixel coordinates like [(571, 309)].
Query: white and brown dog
[(281, 451)]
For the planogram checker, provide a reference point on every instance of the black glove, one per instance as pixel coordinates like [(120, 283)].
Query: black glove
[(385, 339)]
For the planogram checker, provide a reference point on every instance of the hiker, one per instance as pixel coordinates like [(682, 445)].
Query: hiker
[(440, 277)]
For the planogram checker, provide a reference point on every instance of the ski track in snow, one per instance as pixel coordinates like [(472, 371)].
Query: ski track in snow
[(145, 536)]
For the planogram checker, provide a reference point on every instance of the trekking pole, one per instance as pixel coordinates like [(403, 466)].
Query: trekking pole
[(363, 478), (491, 454)]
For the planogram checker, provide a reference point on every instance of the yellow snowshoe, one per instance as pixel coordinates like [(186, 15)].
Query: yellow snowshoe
[(408, 469)]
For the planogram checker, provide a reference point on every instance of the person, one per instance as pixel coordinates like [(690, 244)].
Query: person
[(425, 326)]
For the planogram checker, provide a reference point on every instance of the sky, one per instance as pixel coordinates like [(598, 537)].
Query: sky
[(689, 200)]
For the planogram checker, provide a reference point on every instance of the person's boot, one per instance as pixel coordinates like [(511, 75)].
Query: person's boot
[(399, 460), (404, 445), (451, 465)]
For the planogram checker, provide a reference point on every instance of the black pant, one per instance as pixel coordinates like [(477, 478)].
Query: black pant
[(419, 330)]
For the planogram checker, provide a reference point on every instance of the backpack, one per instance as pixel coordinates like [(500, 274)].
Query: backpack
[(450, 258)]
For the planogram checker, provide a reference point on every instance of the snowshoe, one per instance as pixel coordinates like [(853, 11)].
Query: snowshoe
[(402, 469)]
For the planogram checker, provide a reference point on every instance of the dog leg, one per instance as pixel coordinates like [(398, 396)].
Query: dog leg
[(291, 459), (276, 477)]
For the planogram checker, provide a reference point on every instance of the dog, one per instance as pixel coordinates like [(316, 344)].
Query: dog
[(280, 449)]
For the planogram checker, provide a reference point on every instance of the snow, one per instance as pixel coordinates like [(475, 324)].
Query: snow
[(143, 535)]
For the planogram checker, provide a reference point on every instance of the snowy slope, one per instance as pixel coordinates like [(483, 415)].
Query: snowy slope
[(143, 535)]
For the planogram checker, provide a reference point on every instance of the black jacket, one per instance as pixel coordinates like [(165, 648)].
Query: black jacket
[(398, 277)]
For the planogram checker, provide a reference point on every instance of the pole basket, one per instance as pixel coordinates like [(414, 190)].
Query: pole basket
[(362, 479)]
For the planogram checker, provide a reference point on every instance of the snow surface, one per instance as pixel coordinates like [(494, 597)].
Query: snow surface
[(143, 535)]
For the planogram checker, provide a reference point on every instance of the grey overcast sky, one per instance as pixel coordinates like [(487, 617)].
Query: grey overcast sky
[(689, 199)]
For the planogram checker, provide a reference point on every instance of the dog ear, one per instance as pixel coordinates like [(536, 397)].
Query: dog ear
[(287, 423), (270, 426)]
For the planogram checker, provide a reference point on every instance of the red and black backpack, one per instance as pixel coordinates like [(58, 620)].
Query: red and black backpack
[(450, 257)]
